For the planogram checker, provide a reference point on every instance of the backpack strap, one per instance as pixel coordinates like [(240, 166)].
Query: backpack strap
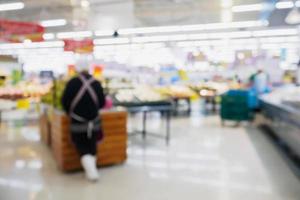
[(86, 86)]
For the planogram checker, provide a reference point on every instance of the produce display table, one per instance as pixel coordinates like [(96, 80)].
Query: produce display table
[(164, 107), (112, 150), (176, 102)]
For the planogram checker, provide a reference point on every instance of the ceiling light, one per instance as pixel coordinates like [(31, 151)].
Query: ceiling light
[(232, 25), (284, 4), (50, 44), (297, 3), (177, 37), (226, 15), (80, 34), (197, 36), (12, 6), (159, 29), (239, 34), (85, 3), (32, 45), (54, 22), (293, 16), (48, 36), (150, 39), (196, 27), (247, 8), (272, 40), (275, 32), (111, 41), (104, 33), (226, 3)]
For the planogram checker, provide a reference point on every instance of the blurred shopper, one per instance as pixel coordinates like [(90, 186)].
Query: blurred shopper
[(260, 82), (82, 99)]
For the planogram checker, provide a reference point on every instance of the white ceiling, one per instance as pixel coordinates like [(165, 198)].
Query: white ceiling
[(115, 14)]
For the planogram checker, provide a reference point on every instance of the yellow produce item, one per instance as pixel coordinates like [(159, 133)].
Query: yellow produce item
[(23, 104)]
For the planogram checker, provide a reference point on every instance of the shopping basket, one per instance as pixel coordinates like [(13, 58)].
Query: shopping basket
[(236, 106)]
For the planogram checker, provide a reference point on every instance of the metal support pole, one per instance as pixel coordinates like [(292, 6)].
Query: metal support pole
[(168, 113), (144, 124)]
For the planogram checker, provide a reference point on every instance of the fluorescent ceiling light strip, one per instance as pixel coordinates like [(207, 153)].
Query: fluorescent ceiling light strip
[(80, 34), (12, 46), (284, 4), (239, 34), (49, 44), (53, 23), (85, 3), (48, 36), (233, 25), (226, 3), (167, 29), (104, 33), (243, 41), (150, 39), (163, 38), (197, 36), (129, 31), (272, 40), (178, 37), (111, 41), (275, 32), (248, 24), (185, 44), (12, 6), (247, 8), (294, 39), (154, 45), (196, 27)]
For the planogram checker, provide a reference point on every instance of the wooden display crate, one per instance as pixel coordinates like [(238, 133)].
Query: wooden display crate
[(45, 125), (112, 149)]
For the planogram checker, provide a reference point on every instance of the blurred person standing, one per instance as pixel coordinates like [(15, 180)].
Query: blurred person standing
[(82, 99), (260, 82)]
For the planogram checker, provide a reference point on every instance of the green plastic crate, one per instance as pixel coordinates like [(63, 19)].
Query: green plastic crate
[(235, 108)]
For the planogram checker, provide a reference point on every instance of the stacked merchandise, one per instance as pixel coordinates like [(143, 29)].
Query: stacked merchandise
[(54, 95), (210, 89), (24, 90), (138, 96), (181, 96), (177, 92)]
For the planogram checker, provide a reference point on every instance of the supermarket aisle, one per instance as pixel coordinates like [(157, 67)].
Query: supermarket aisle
[(202, 162)]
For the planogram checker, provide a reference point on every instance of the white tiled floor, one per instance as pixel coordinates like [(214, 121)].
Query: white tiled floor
[(203, 161)]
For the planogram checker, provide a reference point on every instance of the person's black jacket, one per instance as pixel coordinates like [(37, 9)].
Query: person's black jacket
[(86, 107)]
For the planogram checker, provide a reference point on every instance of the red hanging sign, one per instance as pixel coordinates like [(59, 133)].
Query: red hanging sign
[(14, 31), (79, 46)]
